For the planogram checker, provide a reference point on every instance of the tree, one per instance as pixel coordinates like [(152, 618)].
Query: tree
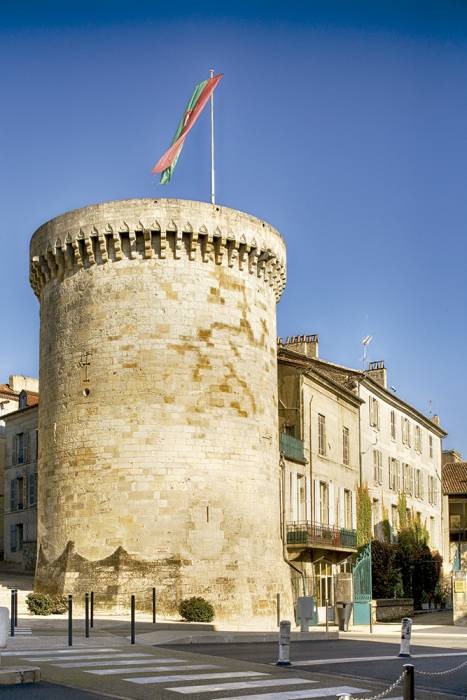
[(363, 516)]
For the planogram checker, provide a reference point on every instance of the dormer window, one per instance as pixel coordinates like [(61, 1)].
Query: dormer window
[(23, 399)]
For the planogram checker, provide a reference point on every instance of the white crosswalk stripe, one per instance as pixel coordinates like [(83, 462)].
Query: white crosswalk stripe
[(146, 669), (119, 662), (87, 656), (243, 685), (298, 694), (193, 677), (48, 652)]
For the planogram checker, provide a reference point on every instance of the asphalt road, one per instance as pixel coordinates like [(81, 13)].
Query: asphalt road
[(327, 652), (47, 691)]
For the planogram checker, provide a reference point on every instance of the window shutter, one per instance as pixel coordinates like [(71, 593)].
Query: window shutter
[(13, 494), (341, 507), (13, 538), (316, 516), (308, 498), (27, 441), (14, 456), (391, 480), (293, 486), (332, 505), (380, 467), (354, 511), (32, 489)]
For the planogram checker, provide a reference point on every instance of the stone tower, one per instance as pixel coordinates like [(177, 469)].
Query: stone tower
[(158, 459)]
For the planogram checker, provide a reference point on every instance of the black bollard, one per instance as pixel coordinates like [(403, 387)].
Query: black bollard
[(70, 620), (12, 614), (153, 606), (278, 609), (132, 626), (92, 608), (409, 682), (16, 607), (86, 608)]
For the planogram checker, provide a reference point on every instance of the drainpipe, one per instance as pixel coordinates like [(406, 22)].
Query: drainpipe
[(284, 530)]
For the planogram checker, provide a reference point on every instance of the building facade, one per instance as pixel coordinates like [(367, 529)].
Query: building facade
[(319, 439), (20, 483), (455, 497)]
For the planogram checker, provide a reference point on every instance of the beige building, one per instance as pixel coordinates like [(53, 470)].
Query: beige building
[(20, 483), (9, 402), (319, 440), (455, 499)]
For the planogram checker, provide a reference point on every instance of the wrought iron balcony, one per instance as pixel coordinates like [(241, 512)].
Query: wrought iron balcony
[(309, 534), (292, 448)]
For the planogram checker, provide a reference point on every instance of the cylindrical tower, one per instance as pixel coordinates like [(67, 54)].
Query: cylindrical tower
[(158, 457)]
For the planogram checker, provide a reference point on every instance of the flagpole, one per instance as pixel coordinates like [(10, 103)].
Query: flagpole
[(213, 190)]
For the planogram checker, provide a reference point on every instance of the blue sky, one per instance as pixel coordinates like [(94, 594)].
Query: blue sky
[(343, 124)]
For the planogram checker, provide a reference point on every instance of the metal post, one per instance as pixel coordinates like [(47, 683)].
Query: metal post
[(86, 608), (326, 603), (153, 606), (70, 620), (406, 633), (213, 185), (132, 626), (92, 608), (409, 682), (278, 609), (12, 614), (16, 607), (371, 618)]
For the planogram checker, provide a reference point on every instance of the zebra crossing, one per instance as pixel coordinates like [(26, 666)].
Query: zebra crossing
[(184, 676)]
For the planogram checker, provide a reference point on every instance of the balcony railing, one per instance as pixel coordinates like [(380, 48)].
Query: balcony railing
[(292, 448), (314, 534)]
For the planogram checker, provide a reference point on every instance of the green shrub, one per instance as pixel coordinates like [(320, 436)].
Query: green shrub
[(39, 603), (196, 609), (59, 604)]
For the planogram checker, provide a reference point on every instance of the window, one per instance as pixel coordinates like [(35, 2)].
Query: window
[(374, 412), (406, 433), (418, 483), (13, 538), (393, 425), (32, 489), (20, 481), (13, 496), (407, 479), (321, 434), (20, 448), (430, 440), (409, 434), (377, 467), (324, 503), (347, 509), (418, 438), (394, 474), (432, 490), (346, 446)]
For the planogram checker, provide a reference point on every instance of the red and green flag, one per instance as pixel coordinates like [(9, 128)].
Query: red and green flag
[(197, 101)]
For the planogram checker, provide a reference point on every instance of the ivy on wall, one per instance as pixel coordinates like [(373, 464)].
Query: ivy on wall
[(363, 516)]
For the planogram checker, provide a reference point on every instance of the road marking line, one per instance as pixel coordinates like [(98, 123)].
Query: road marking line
[(355, 659), (31, 652), (145, 669), (193, 677), (187, 689), (296, 694), (84, 658), (120, 662)]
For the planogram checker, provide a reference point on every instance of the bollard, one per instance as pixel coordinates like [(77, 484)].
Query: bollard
[(371, 618), (326, 603), (284, 644), (132, 625), (278, 609), (409, 682), (153, 606), (70, 620), (92, 608), (406, 632), (16, 607), (4, 619), (86, 609), (12, 613), (345, 696)]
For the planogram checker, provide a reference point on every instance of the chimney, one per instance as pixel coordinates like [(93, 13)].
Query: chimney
[(304, 344), (435, 419), (378, 373), (450, 456)]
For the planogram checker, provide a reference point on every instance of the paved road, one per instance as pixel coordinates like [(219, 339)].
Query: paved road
[(359, 660), (141, 673), (47, 691)]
